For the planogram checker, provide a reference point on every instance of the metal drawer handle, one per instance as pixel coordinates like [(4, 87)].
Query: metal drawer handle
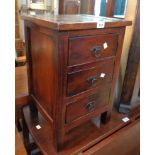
[(92, 80), (91, 106), (96, 51)]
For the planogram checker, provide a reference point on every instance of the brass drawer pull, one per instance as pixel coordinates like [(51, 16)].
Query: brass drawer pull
[(91, 106)]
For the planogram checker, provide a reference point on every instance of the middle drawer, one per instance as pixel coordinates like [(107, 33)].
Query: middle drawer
[(83, 80)]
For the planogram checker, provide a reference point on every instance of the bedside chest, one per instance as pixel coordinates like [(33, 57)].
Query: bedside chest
[(73, 63)]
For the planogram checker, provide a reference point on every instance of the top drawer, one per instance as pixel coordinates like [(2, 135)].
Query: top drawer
[(91, 48)]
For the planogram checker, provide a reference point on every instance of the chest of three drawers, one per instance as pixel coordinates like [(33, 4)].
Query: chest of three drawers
[(91, 62), (72, 70)]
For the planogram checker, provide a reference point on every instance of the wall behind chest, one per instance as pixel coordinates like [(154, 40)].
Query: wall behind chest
[(130, 15)]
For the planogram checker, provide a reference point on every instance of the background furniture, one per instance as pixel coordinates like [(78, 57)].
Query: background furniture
[(69, 6), (130, 97), (107, 8), (19, 42), (19, 45), (121, 143), (21, 93)]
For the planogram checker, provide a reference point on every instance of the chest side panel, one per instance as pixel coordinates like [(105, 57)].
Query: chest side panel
[(42, 69)]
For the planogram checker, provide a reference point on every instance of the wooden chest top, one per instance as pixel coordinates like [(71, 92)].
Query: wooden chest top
[(74, 22)]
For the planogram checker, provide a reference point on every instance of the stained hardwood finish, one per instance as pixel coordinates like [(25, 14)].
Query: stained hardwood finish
[(118, 143), (53, 80), (86, 79), (73, 22), (42, 68), (131, 86), (99, 46), (88, 105), (44, 141)]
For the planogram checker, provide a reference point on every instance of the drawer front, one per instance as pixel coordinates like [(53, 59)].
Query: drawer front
[(88, 105), (91, 48), (86, 79)]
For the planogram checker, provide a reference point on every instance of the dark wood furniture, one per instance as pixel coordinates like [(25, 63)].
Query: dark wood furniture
[(87, 7), (21, 84), (84, 7), (19, 45), (110, 5), (76, 7), (18, 41), (130, 97), (21, 93), (72, 68), (125, 142), (69, 6)]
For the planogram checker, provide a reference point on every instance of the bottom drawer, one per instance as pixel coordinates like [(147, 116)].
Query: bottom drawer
[(87, 105)]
